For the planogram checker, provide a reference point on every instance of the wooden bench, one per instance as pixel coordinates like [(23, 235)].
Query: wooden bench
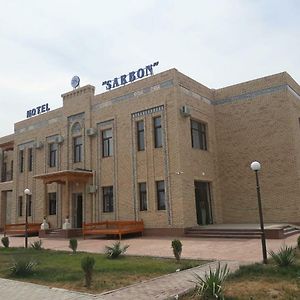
[(19, 229), (113, 228)]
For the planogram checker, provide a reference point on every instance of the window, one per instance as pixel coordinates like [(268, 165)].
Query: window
[(4, 172), (157, 132), (77, 146), (30, 159), (143, 195), (198, 131), (29, 205), (140, 135), (12, 169), (108, 199), (52, 155), (52, 203), (21, 160), (107, 143), (160, 193), (20, 206)]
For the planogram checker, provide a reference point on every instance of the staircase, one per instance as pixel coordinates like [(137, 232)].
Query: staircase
[(55, 233), (60, 233), (242, 232), (289, 230), (198, 232)]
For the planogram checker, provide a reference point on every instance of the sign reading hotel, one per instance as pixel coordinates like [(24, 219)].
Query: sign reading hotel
[(38, 110), (130, 77)]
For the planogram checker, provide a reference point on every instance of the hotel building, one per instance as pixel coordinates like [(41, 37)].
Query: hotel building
[(165, 149)]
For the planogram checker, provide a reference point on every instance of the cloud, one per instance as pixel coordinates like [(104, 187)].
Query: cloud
[(218, 43)]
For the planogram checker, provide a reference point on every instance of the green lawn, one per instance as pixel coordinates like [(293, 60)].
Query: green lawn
[(63, 269), (262, 282)]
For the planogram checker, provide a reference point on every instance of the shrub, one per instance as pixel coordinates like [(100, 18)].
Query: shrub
[(22, 267), (177, 249), (285, 256), (115, 250), (87, 265), (298, 242), (5, 241), (37, 245), (73, 243), (211, 285)]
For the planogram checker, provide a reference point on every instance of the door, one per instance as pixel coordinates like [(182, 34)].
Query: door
[(77, 210), (203, 203)]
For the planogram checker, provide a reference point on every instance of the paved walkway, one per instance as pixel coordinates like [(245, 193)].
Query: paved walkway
[(244, 250), (231, 251)]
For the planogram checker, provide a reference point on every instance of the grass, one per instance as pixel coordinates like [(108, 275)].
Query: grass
[(63, 269), (261, 282)]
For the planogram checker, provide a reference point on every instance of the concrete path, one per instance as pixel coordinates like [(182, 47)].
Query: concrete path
[(244, 250), (164, 287), (16, 290)]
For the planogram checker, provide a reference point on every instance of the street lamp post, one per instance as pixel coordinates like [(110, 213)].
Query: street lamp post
[(255, 166), (27, 193)]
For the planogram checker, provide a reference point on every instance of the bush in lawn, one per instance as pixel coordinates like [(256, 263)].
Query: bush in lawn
[(73, 243), (37, 245), (284, 257), (5, 241), (115, 250), (177, 249), (211, 285), (87, 265), (22, 267)]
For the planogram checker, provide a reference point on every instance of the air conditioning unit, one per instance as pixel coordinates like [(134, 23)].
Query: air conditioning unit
[(91, 131), (92, 189), (38, 145), (185, 111), (59, 139)]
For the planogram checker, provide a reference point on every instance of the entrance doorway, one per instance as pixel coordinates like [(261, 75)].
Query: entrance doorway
[(203, 203), (77, 210)]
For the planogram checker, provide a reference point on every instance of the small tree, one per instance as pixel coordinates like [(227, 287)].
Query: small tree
[(87, 265), (5, 241), (177, 249), (73, 243)]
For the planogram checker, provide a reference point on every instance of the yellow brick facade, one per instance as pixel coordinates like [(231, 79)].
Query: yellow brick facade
[(255, 120)]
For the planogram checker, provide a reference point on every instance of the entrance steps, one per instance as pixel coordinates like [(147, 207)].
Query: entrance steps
[(291, 230), (60, 233), (242, 232)]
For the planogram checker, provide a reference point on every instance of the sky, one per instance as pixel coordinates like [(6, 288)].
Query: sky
[(43, 44)]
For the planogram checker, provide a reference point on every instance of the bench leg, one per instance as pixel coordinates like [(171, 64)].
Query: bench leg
[(120, 236)]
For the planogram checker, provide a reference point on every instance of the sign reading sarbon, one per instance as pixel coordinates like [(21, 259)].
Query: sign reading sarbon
[(130, 77)]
